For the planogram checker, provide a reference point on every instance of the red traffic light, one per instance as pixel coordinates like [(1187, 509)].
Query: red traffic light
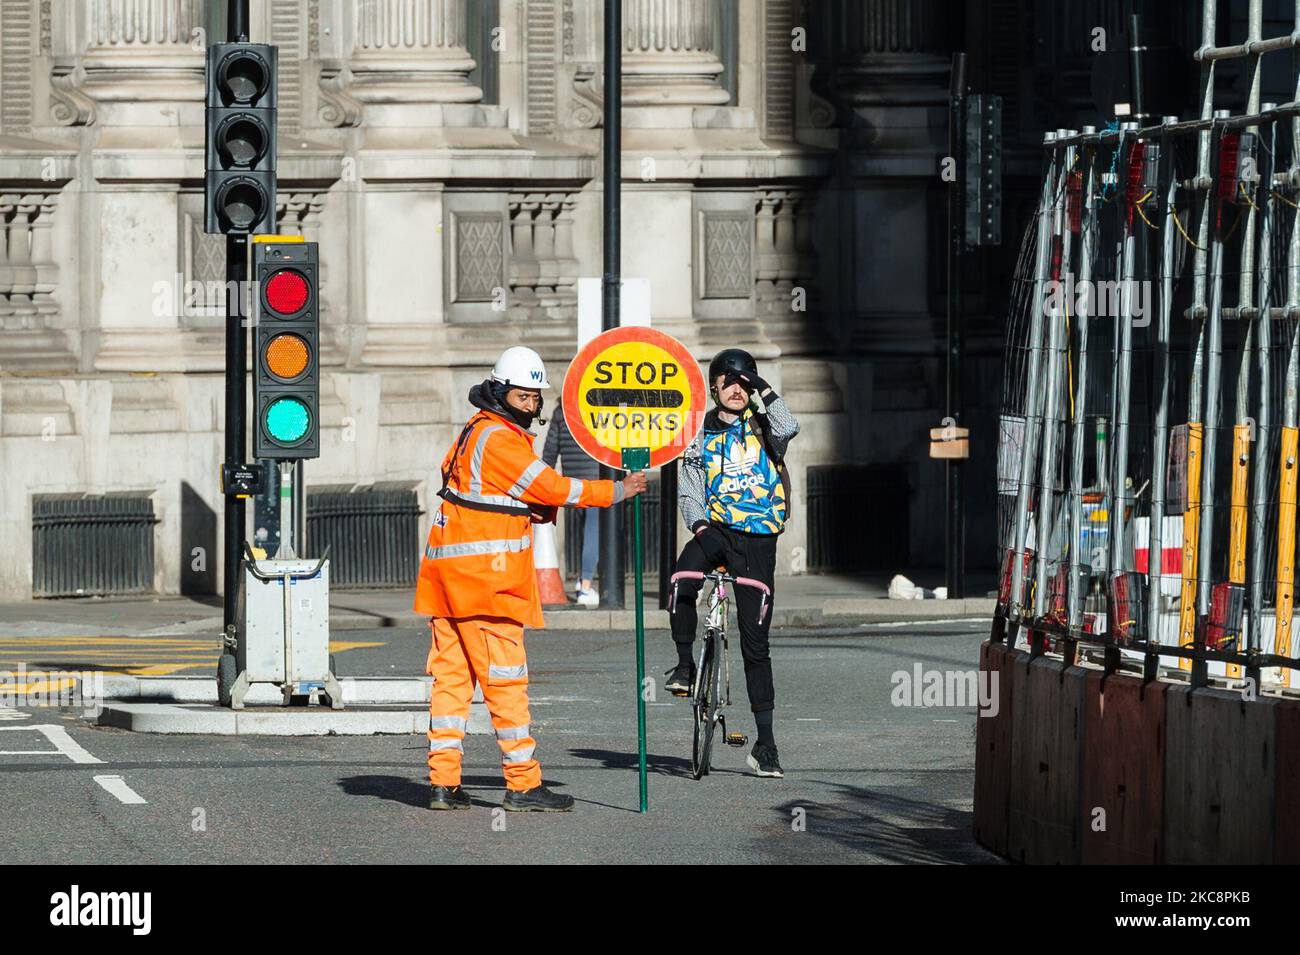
[(287, 292)]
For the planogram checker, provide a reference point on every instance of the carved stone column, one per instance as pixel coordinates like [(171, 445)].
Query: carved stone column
[(891, 52), (669, 54), (141, 58), (409, 53)]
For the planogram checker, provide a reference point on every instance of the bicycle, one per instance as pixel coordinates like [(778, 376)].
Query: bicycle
[(711, 689)]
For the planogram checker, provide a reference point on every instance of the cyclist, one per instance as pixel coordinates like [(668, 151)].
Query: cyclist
[(734, 495)]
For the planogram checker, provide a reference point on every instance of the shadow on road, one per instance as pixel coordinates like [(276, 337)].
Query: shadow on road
[(891, 827), (660, 765), (416, 793)]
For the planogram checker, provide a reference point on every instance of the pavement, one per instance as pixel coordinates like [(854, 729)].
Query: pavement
[(805, 600), (867, 780)]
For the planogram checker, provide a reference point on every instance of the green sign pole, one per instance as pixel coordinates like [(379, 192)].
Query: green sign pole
[(638, 459)]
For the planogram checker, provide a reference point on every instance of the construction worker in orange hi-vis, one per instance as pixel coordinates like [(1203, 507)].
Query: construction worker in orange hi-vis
[(477, 581)]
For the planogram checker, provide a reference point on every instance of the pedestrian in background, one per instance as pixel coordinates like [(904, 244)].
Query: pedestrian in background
[(576, 463)]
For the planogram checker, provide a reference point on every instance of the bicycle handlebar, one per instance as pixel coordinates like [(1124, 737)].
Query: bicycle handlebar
[(721, 578)]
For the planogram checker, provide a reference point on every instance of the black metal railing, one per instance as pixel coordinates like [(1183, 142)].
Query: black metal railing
[(372, 533), (92, 544)]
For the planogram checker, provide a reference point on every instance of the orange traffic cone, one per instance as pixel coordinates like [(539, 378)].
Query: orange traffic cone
[(547, 566)]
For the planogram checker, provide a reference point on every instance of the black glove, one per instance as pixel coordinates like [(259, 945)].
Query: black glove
[(714, 545), (751, 382)]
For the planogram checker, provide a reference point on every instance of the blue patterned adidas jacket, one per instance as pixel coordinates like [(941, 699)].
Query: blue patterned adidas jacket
[(728, 476)]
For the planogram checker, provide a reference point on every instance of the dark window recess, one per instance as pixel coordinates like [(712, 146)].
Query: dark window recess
[(86, 544), (857, 518), (372, 533), (573, 528)]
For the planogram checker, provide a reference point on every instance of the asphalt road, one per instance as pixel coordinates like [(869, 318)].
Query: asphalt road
[(866, 781)]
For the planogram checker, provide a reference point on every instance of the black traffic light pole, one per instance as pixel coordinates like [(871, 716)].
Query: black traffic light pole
[(236, 347), (956, 518), (611, 518), (236, 432), (237, 21)]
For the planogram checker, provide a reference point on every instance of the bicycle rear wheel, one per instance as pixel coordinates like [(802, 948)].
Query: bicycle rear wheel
[(706, 706)]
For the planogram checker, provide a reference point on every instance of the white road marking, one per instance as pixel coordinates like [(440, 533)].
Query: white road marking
[(919, 623), (807, 719), (64, 745), (8, 713), (118, 787)]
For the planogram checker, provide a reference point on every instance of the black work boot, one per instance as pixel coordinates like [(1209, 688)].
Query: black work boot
[(448, 797), (537, 799), (680, 679)]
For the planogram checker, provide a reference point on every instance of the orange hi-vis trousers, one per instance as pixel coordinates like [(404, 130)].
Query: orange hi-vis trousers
[(488, 652)]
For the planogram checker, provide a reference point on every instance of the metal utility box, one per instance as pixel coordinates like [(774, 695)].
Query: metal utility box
[(284, 633)]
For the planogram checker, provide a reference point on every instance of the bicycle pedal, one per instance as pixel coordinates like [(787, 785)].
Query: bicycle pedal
[(736, 739)]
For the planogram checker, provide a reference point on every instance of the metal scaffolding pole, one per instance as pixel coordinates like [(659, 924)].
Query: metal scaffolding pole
[(1160, 432), (1213, 379), (1244, 427), (1033, 396), (1053, 416), (1082, 563), (1121, 485), (1264, 409), (1192, 516)]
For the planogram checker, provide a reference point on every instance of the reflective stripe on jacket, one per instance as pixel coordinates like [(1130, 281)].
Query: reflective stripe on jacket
[(478, 561)]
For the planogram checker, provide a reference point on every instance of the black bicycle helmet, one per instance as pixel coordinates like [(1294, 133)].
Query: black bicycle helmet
[(731, 359)]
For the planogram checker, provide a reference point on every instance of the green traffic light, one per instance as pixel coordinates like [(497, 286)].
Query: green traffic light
[(287, 420)]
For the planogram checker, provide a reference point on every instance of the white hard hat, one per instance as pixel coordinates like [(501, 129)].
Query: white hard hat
[(521, 367)]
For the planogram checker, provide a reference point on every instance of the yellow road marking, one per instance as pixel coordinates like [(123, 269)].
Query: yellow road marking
[(338, 646), (135, 656)]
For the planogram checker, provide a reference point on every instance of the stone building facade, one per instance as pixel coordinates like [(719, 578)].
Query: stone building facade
[(445, 155)]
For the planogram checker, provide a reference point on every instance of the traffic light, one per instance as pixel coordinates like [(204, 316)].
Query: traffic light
[(239, 192), (286, 343)]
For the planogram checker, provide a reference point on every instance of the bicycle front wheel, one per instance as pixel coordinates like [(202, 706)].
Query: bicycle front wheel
[(706, 706)]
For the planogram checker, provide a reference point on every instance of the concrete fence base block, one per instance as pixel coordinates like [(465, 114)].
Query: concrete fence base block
[(205, 719), (1122, 777), (191, 689), (1220, 776), (1043, 825), (993, 742)]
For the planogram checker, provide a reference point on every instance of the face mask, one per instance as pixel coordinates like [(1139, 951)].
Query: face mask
[(521, 417)]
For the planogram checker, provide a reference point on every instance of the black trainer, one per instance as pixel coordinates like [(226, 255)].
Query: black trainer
[(537, 799), (680, 679), (763, 761), (448, 797)]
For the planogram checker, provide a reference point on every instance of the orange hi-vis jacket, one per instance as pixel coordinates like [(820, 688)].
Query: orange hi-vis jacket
[(479, 560)]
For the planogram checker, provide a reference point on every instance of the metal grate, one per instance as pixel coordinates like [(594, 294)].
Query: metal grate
[(857, 518), (89, 544), (575, 516), (372, 532)]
